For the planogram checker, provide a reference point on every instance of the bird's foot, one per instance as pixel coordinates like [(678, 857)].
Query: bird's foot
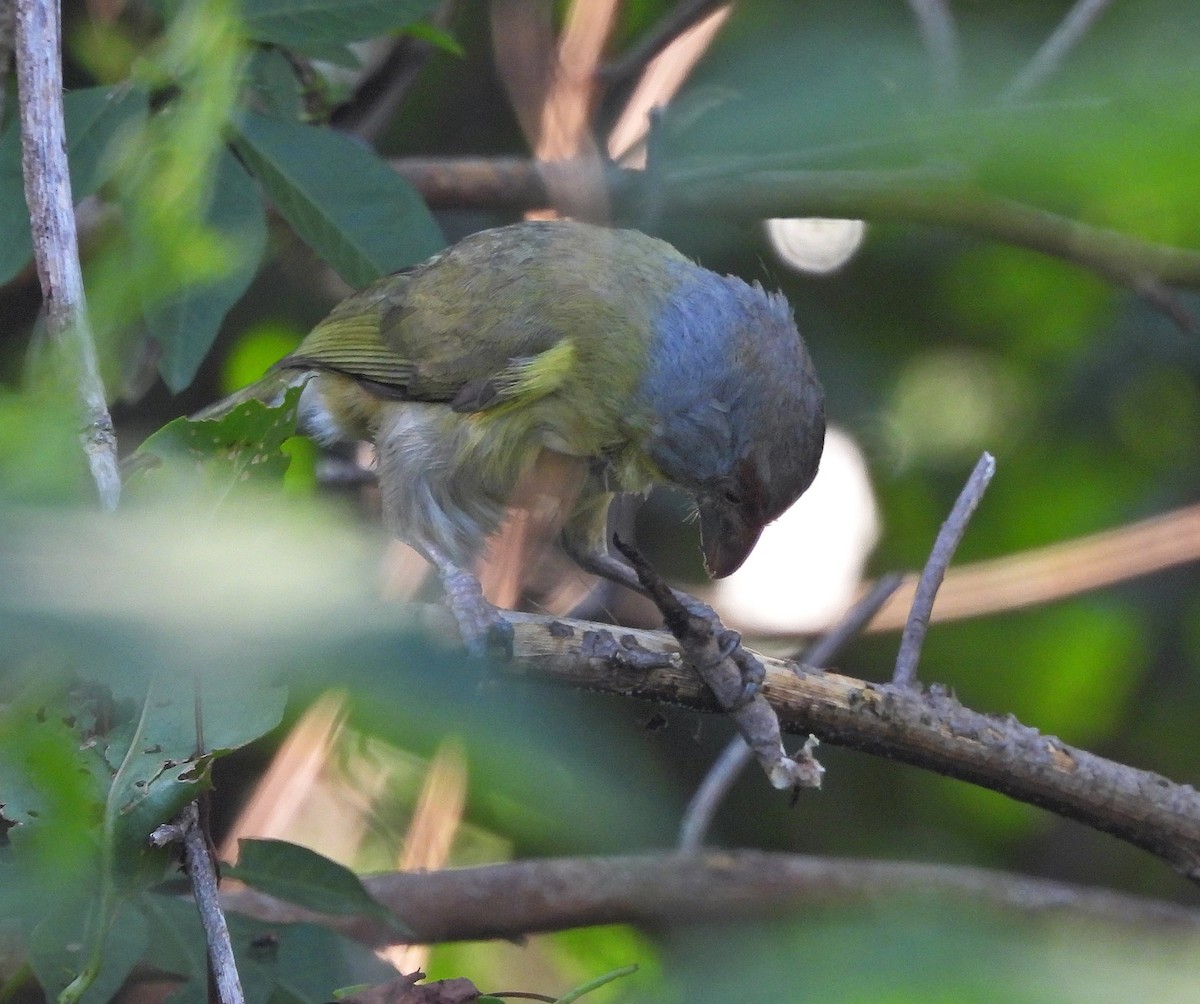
[(751, 667), (485, 631), (695, 625), (729, 646)]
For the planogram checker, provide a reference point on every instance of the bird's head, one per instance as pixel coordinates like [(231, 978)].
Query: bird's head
[(739, 416)]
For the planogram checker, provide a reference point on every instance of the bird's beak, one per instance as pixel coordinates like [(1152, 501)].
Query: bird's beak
[(726, 538)]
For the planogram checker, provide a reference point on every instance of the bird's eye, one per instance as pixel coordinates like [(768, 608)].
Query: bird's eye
[(732, 497)]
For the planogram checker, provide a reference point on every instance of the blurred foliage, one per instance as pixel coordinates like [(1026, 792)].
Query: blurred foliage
[(183, 114)]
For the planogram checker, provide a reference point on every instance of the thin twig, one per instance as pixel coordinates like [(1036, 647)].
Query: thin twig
[(1054, 50), (921, 196), (727, 768), (935, 22), (710, 793), (822, 651), (52, 218), (203, 876), (943, 550)]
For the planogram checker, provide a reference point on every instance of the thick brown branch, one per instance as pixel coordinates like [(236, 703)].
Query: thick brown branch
[(522, 897), (929, 729)]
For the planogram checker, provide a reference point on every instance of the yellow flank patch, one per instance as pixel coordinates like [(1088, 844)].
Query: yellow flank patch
[(527, 380), (547, 371)]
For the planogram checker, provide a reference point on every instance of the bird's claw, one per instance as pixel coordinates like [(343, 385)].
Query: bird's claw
[(749, 665), (729, 646), (485, 631)]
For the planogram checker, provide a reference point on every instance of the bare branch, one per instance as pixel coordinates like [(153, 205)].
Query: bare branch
[(681, 889), (513, 183), (822, 652), (1054, 50), (944, 546), (711, 792), (52, 217), (379, 97), (928, 729), (203, 876)]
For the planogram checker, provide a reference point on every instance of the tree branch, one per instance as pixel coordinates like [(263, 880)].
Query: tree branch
[(922, 197), (741, 191), (459, 904), (928, 729), (52, 218)]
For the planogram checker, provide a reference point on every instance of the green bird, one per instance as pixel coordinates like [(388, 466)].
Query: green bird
[(604, 345)]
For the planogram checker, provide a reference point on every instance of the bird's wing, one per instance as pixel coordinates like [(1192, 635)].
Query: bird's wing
[(347, 341), (400, 346)]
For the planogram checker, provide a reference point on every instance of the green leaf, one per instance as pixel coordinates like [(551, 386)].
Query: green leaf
[(349, 206), (156, 770), (272, 86), (51, 797), (186, 324), (279, 963), (302, 876), (218, 456), (302, 24), (55, 950), (94, 117), (39, 445)]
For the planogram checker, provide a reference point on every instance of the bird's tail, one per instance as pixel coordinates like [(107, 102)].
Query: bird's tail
[(269, 390)]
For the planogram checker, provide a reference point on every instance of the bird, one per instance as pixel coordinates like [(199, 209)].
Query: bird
[(606, 346)]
